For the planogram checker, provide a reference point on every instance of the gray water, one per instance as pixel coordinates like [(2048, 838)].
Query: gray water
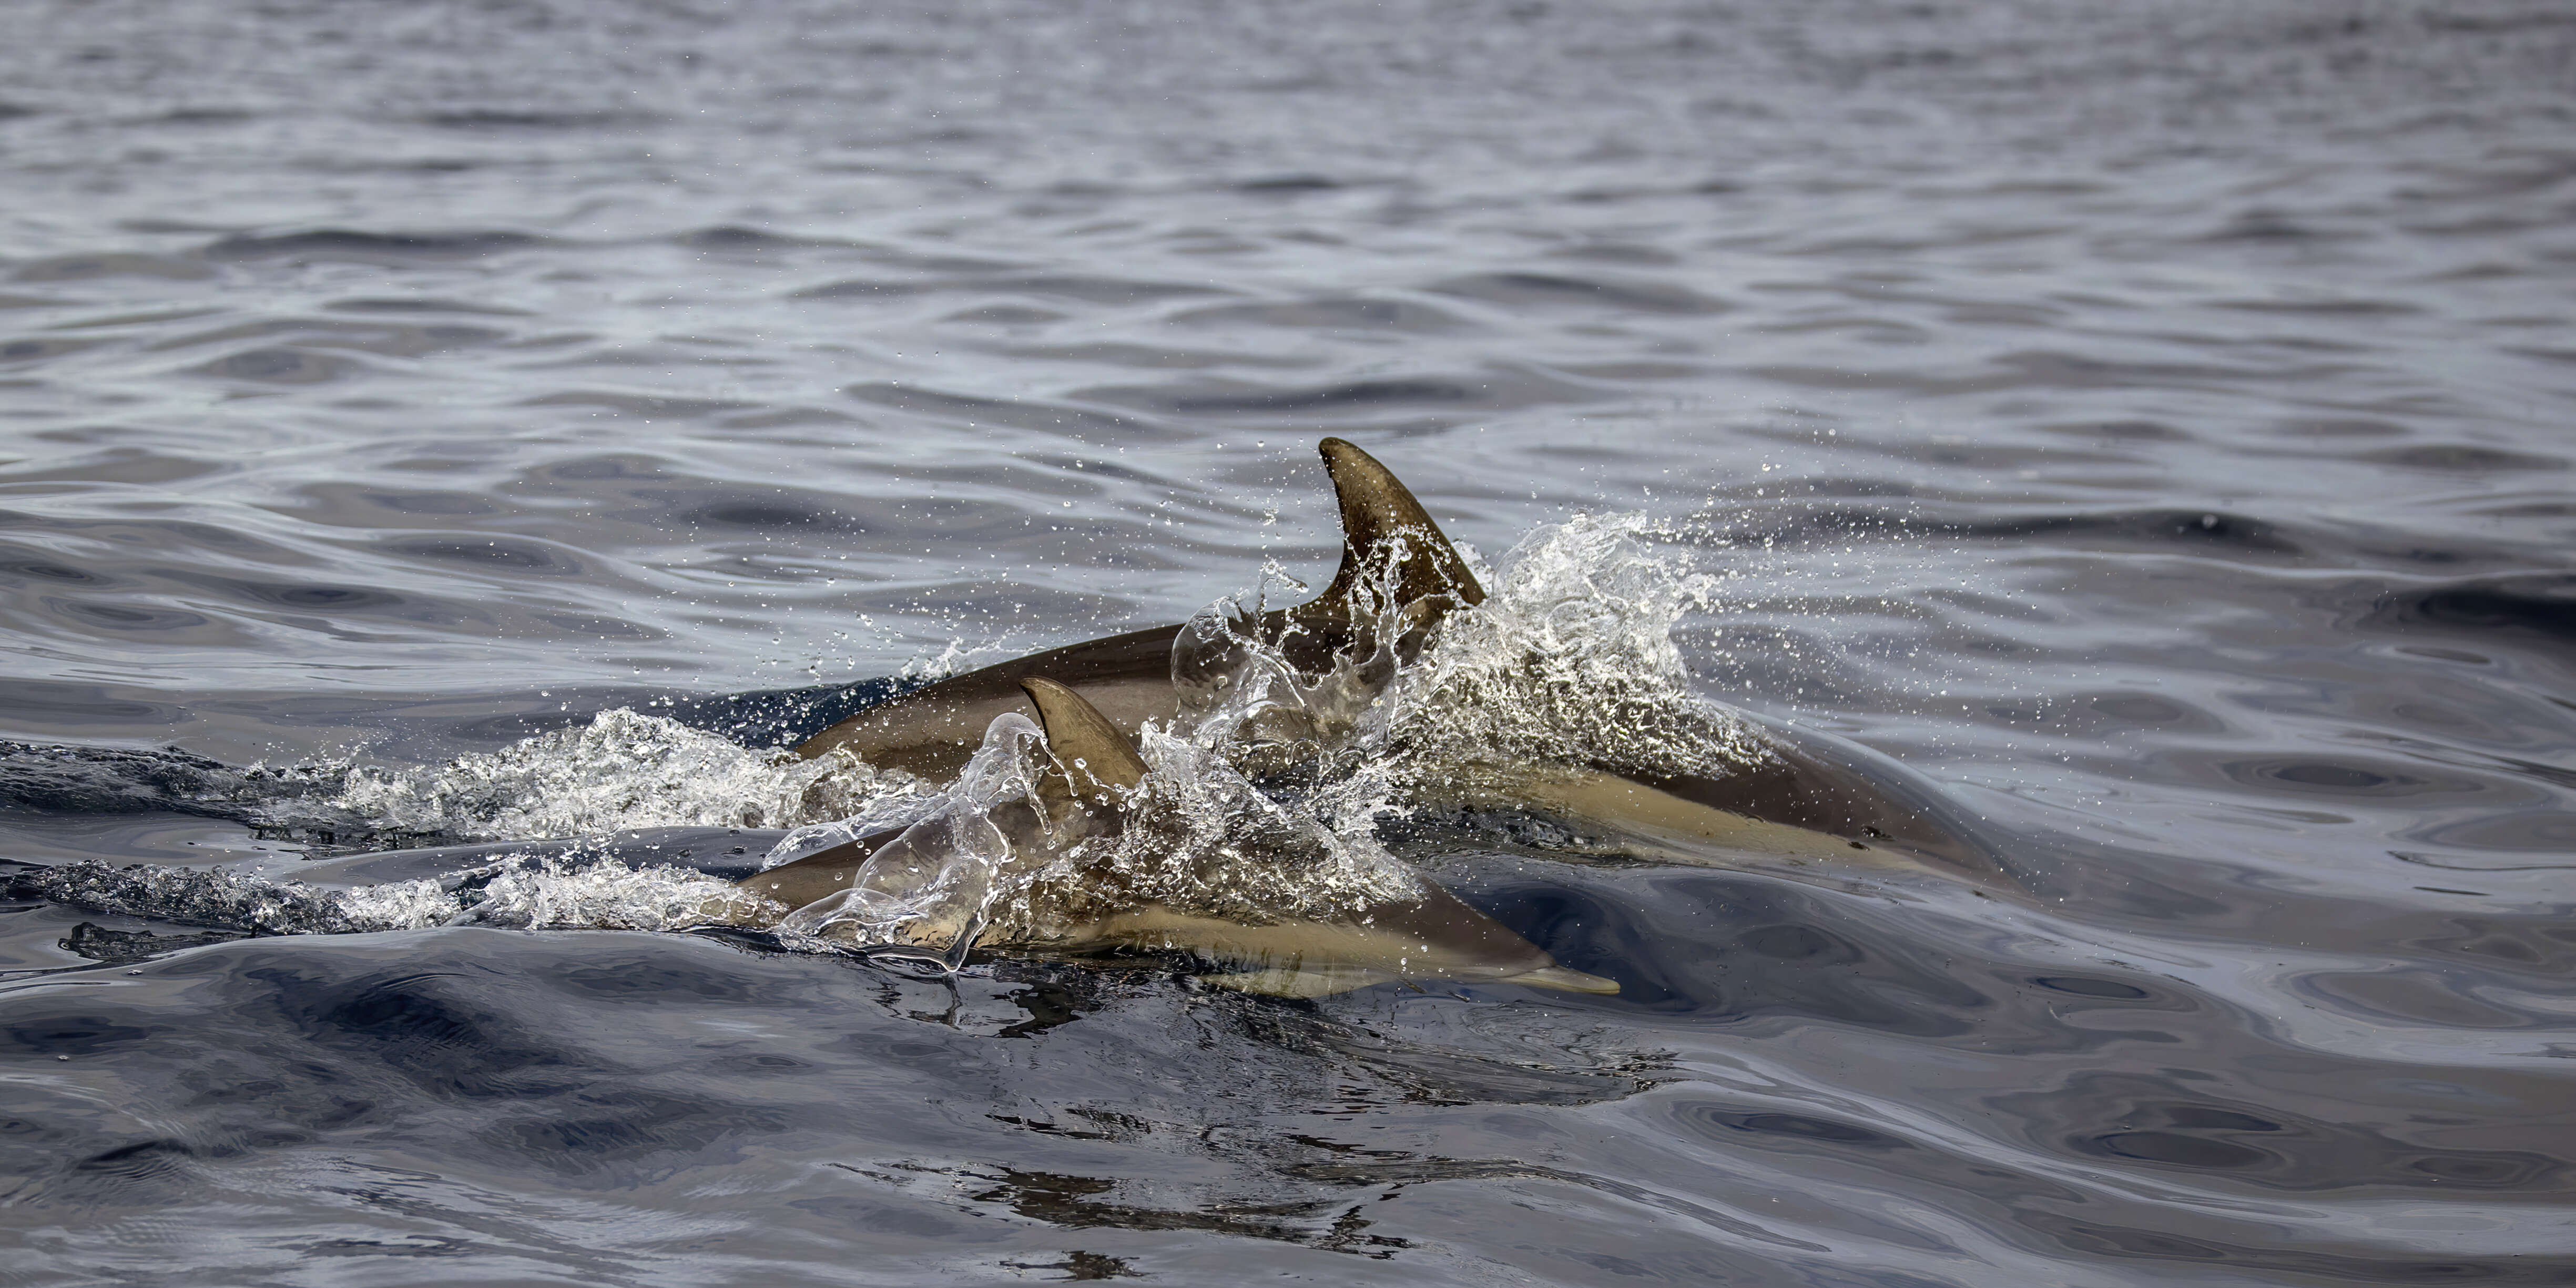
[(2146, 424)]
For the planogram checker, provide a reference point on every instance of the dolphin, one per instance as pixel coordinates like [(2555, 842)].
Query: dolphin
[(1805, 803), (1091, 789), (1387, 539)]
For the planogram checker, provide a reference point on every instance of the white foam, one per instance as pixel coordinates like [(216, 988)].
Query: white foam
[(1569, 658), (622, 770)]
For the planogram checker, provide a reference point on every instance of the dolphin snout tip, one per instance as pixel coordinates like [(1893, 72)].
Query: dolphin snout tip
[(1567, 981)]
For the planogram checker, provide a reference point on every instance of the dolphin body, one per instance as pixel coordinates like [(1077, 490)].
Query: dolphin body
[(1425, 934), (1805, 805), (1386, 536)]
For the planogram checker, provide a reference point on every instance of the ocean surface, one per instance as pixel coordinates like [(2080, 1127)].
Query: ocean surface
[(450, 430)]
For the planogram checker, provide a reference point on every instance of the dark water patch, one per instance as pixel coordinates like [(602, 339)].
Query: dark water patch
[(2549, 832), (437, 1029), (203, 116), (1004, 315), (2533, 608), (499, 120), (88, 268), (2151, 711), (1738, 951), (641, 406), (1464, 1169), (1289, 185), (1560, 291), (1045, 417), (2205, 529), (1446, 397), (2467, 458), (1069, 1202), (859, 288), (123, 616), (415, 1246), (2328, 308), (1638, 255), (56, 701), (275, 365), (21, 566), (1423, 1073), (68, 1032), (2121, 431), (136, 1173), (1143, 356), (302, 596), (40, 349), (2340, 427), (415, 341), (2306, 775), (1329, 313), (2082, 986), (120, 947), (735, 237), (1360, 395), (2480, 863), (2046, 369), (392, 250), (774, 509), (424, 304), (1111, 292), (59, 779), (1824, 1132), (2256, 1254), (2154, 529), (2416, 996), (2560, 357), (511, 556), (2261, 225), (2167, 1124), (2541, 948), (602, 467)]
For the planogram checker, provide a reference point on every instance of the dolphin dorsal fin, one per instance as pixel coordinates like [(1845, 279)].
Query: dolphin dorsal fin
[(1378, 511), (1092, 756)]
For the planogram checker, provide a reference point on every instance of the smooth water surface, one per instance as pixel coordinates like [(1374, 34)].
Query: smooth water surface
[(2148, 424)]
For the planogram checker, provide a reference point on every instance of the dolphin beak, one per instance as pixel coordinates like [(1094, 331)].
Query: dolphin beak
[(1567, 981)]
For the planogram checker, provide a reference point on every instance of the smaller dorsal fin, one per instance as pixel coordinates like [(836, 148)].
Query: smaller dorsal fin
[(1092, 756), (1377, 509)]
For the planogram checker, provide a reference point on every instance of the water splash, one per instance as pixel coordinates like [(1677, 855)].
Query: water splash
[(1259, 805), (622, 770), (1570, 659), (573, 891), (925, 894)]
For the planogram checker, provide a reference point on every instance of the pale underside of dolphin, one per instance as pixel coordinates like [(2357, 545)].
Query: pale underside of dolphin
[(1427, 934), (1801, 807)]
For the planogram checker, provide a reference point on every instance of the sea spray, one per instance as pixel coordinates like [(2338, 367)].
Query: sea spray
[(1259, 805)]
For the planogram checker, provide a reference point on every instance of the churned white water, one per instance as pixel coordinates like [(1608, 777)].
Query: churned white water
[(1570, 658)]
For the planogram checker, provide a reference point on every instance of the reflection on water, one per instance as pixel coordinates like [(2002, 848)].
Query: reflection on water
[(2143, 426)]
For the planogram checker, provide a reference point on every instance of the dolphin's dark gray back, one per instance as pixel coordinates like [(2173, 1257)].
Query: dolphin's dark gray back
[(932, 731)]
